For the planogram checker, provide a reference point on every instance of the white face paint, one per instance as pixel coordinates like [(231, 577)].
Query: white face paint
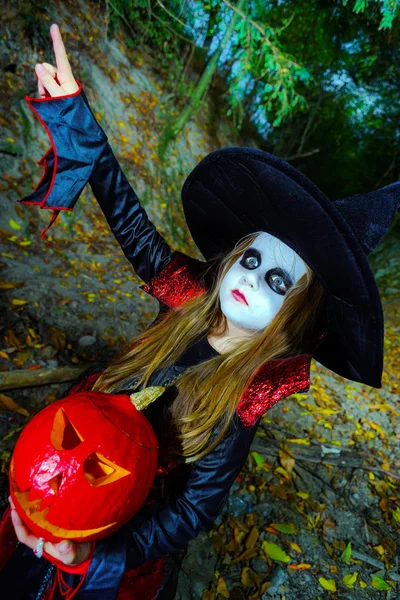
[(254, 288)]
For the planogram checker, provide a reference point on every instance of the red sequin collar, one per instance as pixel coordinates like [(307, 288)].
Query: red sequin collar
[(276, 379)]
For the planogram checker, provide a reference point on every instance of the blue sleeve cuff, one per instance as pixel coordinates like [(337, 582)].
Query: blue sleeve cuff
[(77, 141)]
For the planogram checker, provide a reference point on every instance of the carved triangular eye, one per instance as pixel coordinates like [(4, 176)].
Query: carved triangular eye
[(63, 435), (55, 483), (99, 470)]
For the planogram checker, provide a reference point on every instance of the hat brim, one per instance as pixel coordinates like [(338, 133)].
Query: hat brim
[(233, 192)]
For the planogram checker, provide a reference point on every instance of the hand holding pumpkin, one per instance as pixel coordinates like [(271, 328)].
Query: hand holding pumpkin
[(68, 552)]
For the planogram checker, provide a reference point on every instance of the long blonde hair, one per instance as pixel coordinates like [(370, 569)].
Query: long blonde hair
[(208, 393)]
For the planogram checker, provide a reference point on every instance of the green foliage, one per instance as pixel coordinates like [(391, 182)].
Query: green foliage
[(389, 10), (150, 23), (318, 80)]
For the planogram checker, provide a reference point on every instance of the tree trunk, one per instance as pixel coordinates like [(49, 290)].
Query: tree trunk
[(201, 88)]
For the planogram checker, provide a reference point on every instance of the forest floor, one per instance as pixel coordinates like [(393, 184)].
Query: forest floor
[(315, 513)]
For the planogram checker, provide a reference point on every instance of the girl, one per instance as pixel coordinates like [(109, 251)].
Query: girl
[(286, 278)]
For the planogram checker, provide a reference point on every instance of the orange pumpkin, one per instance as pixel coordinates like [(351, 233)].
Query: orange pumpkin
[(83, 466)]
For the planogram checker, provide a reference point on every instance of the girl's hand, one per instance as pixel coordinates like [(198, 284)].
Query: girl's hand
[(70, 553), (56, 81)]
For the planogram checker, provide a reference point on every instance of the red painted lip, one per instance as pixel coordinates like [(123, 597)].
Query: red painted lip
[(239, 296)]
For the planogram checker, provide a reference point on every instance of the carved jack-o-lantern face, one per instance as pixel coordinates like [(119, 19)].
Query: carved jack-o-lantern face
[(83, 466)]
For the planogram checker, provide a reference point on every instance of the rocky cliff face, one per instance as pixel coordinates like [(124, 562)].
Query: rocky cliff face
[(79, 269)]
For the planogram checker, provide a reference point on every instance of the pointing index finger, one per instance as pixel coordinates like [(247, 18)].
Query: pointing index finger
[(62, 61)]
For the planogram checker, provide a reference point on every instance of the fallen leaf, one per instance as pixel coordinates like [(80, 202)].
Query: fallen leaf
[(10, 285), (295, 546), (380, 584), (18, 302), (7, 403), (346, 554), (349, 580), (286, 458), (285, 527), (249, 578), (14, 224), (327, 584), (58, 338), (13, 340), (221, 587), (275, 552), (252, 538)]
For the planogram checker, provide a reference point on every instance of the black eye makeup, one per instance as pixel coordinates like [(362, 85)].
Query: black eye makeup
[(251, 259), (278, 279)]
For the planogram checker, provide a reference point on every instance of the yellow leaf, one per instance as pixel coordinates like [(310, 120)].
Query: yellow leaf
[(379, 549), (58, 338), (327, 584), (249, 577), (252, 538), (17, 302), (246, 555), (209, 594), (14, 224), (10, 139), (286, 457), (10, 285), (221, 587), (4, 355), (349, 580), (7, 403), (25, 243), (377, 428), (305, 441), (295, 547), (326, 411), (300, 566), (303, 495), (396, 514)]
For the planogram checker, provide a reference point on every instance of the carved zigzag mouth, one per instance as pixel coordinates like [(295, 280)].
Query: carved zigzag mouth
[(32, 509)]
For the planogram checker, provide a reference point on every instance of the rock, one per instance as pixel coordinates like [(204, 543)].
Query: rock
[(87, 340), (278, 577), (49, 351), (52, 364)]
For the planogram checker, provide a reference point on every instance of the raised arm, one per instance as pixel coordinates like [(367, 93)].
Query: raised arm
[(80, 153), (141, 243)]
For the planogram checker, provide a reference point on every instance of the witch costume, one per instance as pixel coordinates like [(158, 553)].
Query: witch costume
[(231, 193)]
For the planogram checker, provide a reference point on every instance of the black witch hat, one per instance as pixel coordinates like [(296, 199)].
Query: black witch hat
[(233, 192)]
